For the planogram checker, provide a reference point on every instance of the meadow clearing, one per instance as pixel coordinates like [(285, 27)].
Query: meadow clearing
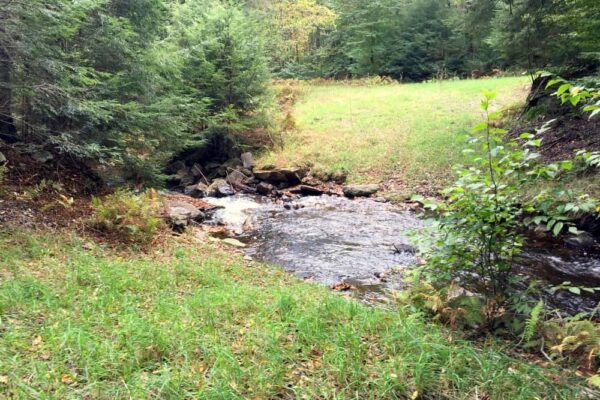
[(406, 134)]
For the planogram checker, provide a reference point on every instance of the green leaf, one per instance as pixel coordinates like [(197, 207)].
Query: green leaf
[(535, 143), (526, 136), (574, 100), (480, 126), (594, 380), (575, 290), (554, 82), (566, 165), (563, 88), (558, 228)]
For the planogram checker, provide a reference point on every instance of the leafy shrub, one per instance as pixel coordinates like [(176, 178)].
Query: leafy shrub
[(483, 217), (575, 94), (131, 218)]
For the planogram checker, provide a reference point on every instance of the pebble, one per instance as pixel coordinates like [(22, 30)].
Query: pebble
[(234, 243)]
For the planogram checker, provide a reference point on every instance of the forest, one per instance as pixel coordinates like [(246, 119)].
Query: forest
[(300, 199), (136, 81)]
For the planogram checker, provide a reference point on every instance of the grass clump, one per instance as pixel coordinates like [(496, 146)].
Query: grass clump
[(128, 217), (3, 179), (192, 322)]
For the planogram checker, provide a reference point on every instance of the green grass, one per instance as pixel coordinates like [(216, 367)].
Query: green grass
[(408, 133), (193, 322)]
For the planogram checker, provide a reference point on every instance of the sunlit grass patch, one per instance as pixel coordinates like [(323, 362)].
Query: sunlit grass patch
[(406, 132)]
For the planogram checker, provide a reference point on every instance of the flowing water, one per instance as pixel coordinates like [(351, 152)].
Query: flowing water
[(326, 239), (366, 243)]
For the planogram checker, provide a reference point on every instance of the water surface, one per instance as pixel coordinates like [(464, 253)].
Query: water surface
[(327, 239)]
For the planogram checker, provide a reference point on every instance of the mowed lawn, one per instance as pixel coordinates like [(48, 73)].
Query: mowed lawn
[(408, 132)]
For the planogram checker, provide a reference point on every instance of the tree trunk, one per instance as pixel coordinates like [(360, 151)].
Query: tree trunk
[(7, 127)]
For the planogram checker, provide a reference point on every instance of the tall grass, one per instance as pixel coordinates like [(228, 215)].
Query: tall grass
[(193, 322)]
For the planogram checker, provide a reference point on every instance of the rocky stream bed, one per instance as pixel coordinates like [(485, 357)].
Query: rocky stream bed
[(344, 236)]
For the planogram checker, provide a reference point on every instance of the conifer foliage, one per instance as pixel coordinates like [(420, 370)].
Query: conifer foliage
[(125, 82)]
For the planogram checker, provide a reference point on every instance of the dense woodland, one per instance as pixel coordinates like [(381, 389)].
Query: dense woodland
[(134, 82), (415, 40), (127, 81)]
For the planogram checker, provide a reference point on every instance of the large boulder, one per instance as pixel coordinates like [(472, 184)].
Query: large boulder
[(247, 172), (274, 175), (219, 188), (180, 214), (197, 191), (3, 159), (265, 189), (311, 181), (248, 161), (236, 178), (289, 176), (185, 177), (307, 190), (352, 191)]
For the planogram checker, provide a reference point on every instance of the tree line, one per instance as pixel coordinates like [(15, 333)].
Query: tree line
[(416, 40)]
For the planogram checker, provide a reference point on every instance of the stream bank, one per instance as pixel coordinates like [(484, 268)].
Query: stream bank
[(364, 245), (345, 237)]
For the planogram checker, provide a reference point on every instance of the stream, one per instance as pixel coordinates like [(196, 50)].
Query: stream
[(366, 243)]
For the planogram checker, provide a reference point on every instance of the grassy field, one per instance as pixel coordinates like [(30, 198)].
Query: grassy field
[(78, 321), (407, 133)]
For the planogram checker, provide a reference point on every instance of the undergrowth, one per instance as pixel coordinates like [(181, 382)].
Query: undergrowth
[(130, 218), (471, 276)]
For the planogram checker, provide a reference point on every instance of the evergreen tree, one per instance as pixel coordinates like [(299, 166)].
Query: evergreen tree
[(116, 81)]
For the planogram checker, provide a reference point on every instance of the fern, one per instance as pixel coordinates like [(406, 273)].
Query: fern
[(132, 218), (532, 321)]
